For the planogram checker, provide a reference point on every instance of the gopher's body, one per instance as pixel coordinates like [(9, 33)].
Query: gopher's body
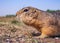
[(48, 24)]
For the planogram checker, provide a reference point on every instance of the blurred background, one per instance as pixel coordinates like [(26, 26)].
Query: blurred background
[(10, 7)]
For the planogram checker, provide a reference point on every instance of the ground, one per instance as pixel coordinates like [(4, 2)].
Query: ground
[(12, 31)]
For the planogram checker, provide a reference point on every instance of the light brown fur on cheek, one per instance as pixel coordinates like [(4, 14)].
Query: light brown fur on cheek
[(32, 21)]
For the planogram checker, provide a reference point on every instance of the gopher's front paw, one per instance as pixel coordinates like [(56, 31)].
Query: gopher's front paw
[(43, 36)]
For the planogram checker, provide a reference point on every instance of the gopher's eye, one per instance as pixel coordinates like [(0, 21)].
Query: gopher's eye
[(25, 10)]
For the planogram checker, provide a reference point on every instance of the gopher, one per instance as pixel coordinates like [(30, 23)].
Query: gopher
[(46, 23)]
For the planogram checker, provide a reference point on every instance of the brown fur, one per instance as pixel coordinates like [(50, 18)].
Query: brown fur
[(48, 24)]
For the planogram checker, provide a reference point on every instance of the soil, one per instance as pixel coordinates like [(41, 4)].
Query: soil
[(12, 32)]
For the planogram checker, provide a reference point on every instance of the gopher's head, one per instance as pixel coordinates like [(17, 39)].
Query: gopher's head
[(28, 15)]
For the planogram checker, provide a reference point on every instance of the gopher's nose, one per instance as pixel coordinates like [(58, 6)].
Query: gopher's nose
[(17, 18)]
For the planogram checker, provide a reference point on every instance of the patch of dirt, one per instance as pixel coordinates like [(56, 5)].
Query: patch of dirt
[(21, 33)]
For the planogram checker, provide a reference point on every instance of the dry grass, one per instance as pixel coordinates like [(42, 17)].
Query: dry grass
[(12, 31)]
